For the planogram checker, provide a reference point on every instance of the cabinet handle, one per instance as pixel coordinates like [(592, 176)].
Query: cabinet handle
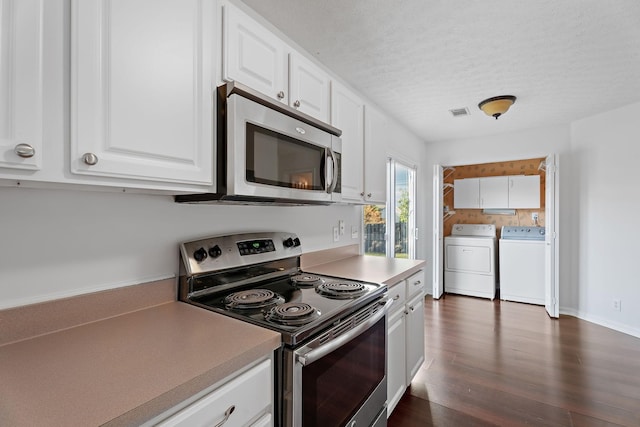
[(362, 194), (227, 414), (296, 104), (412, 308), (24, 150), (90, 159), (396, 298), (369, 195), (416, 283), (280, 95)]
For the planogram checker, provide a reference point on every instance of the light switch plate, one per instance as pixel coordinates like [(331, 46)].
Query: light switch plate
[(354, 232), (341, 225), (336, 234)]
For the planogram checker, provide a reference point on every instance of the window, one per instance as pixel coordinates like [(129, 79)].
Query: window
[(398, 240)]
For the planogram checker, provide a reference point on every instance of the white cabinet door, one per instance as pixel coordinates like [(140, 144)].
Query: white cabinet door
[(466, 193), (21, 83), (376, 138), (250, 396), (396, 358), (309, 87), (142, 95), (524, 192), (415, 336), (494, 192), (253, 55), (347, 114)]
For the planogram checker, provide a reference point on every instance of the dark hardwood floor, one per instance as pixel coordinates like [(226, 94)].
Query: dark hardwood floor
[(508, 364)]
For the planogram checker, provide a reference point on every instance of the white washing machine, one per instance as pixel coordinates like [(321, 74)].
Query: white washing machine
[(522, 252), (470, 260)]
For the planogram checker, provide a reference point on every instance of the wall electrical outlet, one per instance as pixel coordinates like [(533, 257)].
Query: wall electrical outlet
[(341, 226), (616, 304), (336, 234), (354, 232)]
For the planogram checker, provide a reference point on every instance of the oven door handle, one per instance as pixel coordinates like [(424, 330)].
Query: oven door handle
[(306, 358)]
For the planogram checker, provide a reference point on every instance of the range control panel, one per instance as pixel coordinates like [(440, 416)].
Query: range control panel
[(237, 250), (516, 232)]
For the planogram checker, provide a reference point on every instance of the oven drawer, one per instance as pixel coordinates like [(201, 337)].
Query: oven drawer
[(250, 396)]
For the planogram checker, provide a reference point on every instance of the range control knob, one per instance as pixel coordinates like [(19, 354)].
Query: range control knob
[(296, 242), (200, 254), (288, 242), (215, 251)]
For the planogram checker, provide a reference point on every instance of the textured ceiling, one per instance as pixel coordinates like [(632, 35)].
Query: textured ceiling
[(417, 59)]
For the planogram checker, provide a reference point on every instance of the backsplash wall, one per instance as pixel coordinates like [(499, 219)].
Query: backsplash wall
[(475, 216)]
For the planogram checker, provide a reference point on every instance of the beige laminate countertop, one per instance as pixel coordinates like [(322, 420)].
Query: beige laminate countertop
[(125, 369), (370, 268)]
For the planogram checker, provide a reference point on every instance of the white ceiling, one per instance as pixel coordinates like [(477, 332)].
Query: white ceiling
[(417, 59)]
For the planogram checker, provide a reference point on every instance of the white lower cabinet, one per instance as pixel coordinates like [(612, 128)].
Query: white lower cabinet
[(415, 336), (396, 342), (405, 337), (244, 400)]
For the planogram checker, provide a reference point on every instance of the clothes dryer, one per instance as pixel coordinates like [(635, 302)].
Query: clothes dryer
[(470, 260)]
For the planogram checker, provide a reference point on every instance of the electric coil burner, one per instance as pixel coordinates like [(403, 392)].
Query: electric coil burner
[(341, 289), (306, 280), (333, 330), (252, 299), (292, 313)]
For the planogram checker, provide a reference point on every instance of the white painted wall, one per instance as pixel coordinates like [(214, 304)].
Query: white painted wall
[(511, 146), (56, 243), (599, 201), (606, 151)]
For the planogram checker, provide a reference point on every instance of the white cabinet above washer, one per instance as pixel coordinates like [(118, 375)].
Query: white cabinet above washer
[(497, 192)]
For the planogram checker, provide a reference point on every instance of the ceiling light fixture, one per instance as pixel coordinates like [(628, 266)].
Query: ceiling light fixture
[(497, 106)]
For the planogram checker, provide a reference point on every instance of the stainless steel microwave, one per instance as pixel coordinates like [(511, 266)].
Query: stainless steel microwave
[(267, 152)]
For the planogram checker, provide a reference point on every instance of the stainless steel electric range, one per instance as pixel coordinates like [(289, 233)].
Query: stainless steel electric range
[(331, 367)]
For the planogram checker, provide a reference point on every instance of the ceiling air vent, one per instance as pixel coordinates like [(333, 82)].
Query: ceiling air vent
[(459, 112)]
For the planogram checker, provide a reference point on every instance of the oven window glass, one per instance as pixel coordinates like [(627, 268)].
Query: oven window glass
[(279, 160), (337, 385)]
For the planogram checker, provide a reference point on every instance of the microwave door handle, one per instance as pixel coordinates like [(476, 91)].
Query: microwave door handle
[(334, 171), (306, 358)]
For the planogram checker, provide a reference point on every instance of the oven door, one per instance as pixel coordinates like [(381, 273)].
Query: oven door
[(272, 155), (339, 378)]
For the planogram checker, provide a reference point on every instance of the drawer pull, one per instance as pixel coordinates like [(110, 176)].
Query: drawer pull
[(396, 298), (227, 414), (416, 283)]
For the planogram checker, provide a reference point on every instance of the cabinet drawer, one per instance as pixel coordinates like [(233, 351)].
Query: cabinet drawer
[(399, 294), (250, 394), (415, 284)]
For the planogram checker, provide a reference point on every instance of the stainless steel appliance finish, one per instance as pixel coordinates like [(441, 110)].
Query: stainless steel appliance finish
[(331, 367), (267, 152)]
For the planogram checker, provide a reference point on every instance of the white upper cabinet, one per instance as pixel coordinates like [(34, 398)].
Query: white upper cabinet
[(466, 193), (21, 84), (253, 55), (347, 114), (142, 89), (497, 192), (309, 87), (376, 140), (256, 57), (494, 192), (524, 191)]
